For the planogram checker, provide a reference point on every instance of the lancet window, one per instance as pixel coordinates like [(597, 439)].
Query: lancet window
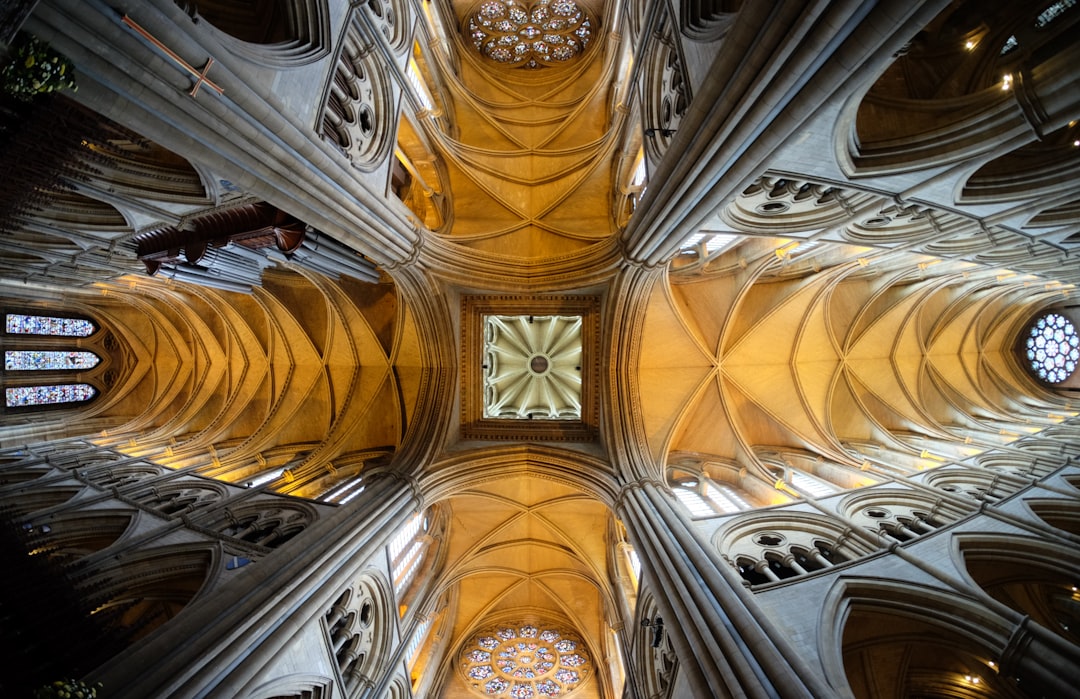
[(412, 651), (23, 324), (48, 356), (407, 551), (704, 497)]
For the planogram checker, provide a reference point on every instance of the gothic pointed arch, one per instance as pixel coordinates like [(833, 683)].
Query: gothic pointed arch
[(358, 109), (139, 591), (1033, 577), (275, 33), (896, 639), (964, 84)]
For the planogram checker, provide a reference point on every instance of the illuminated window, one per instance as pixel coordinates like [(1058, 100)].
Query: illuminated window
[(19, 396), (810, 485), (725, 498), (525, 661), (48, 360), (1053, 12), (20, 324), (705, 498), (1052, 348), (416, 80), (635, 562), (545, 32), (711, 242), (693, 501), (406, 552), (413, 649)]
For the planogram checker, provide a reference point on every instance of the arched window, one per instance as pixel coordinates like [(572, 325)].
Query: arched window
[(21, 324), (49, 360), (54, 332), (20, 396), (704, 497), (406, 552), (412, 651)]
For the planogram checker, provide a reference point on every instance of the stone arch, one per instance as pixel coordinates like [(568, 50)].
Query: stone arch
[(767, 547), (25, 503), (944, 98), (775, 204), (1058, 513), (901, 514), (654, 653), (181, 497), (295, 686), (914, 639), (708, 20), (358, 110), (275, 33), (392, 18), (265, 524), (667, 92), (138, 592), (1017, 464), (1034, 170), (12, 476), (70, 536), (1032, 577), (359, 628), (975, 484), (120, 476)]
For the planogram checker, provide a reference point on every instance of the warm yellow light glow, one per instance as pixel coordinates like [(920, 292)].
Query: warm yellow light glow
[(969, 44), (785, 250), (1006, 81)]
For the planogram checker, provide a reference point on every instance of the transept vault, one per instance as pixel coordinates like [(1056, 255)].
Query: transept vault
[(586, 348)]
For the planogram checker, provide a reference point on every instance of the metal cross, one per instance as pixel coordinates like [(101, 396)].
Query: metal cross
[(199, 75)]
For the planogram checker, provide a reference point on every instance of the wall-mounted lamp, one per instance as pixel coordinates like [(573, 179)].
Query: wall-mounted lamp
[(662, 132), (657, 626)]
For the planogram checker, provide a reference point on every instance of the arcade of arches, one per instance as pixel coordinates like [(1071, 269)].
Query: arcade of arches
[(585, 348)]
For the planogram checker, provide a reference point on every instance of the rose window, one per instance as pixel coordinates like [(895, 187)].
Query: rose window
[(525, 663), (545, 32), (1052, 348)]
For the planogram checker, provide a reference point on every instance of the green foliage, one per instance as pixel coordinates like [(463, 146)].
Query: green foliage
[(67, 689), (33, 68)]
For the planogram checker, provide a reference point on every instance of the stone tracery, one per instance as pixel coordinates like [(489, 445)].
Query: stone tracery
[(545, 32), (524, 662)]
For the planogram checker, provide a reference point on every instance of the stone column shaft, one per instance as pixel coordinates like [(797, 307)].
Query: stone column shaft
[(219, 643), (724, 645)]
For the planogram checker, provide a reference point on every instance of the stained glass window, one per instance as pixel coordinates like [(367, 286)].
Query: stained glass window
[(1053, 348), (544, 32), (523, 661), (20, 324), (48, 360), (18, 396)]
